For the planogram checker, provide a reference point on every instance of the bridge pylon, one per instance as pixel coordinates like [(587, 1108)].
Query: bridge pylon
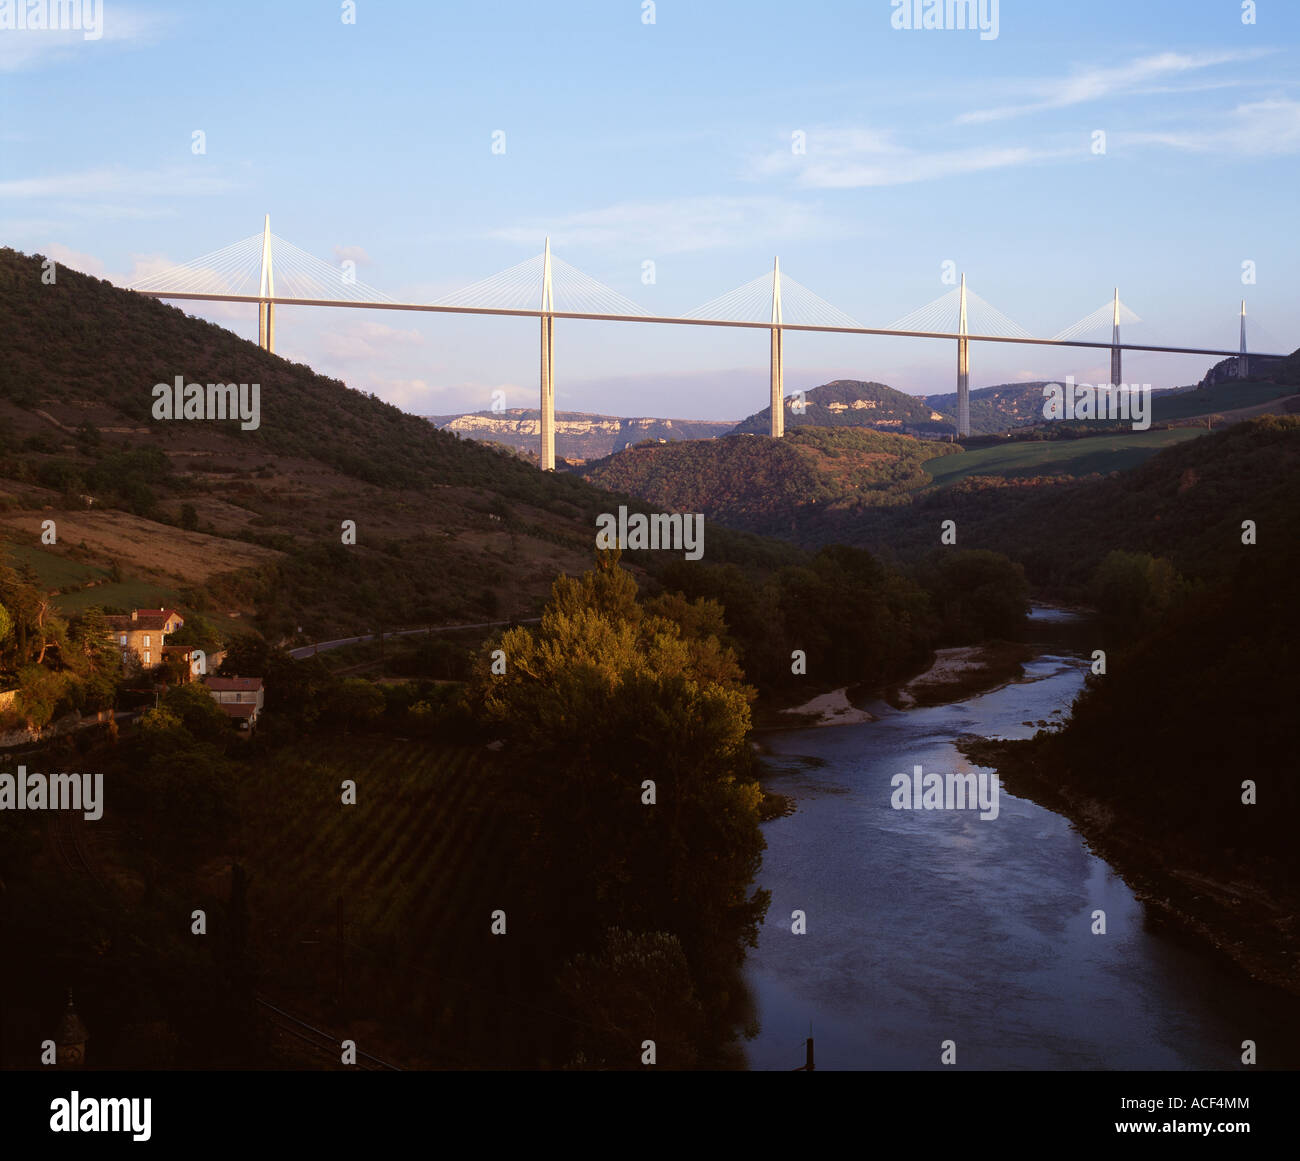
[(547, 422), (963, 366), (777, 362), (266, 289), (1116, 354), (1243, 360)]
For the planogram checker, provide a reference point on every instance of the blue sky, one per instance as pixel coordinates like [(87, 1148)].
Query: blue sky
[(671, 142)]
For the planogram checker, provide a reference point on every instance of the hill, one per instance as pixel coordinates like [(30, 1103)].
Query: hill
[(248, 525), (997, 408), (851, 403), (759, 484), (1185, 503), (578, 435)]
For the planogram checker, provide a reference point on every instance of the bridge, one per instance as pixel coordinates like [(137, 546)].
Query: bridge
[(547, 288)]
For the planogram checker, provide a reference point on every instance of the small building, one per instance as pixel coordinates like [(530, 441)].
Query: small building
[(240, 698), (70, 1045), (144, 631)]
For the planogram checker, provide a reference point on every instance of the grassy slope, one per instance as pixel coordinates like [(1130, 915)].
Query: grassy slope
[(1076, 457)]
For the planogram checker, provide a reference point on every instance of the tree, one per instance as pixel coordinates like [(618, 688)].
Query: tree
[(1135, 588), (632, 981), (202, 634), (195, 708), (977, 594), (354, 702), (601, 700)]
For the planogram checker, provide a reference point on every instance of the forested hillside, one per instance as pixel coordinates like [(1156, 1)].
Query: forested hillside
[(771, 486), (249, 523)]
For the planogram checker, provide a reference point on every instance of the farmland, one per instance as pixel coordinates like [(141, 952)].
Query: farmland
[(1076, 457), (410, 874)]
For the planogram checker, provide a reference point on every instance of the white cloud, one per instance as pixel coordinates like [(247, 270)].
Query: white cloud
[(118, 181), (1258, 129), (352, 254), (76, 260), (1095, 84), (681, 225), (857, 158), (367, 340), (28, 48)]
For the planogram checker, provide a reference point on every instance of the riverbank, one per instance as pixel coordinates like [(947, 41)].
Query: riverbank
[(963, 672), (951, 675), (1251, 923)]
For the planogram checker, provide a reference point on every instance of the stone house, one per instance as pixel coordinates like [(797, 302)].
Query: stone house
[(144, 631)]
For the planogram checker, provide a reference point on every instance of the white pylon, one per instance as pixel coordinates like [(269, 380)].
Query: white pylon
[(1243, 361), (547, 453), (1116, 361), (963, 366), (778, 374), (266, 289)]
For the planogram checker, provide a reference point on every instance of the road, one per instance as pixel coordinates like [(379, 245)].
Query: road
[(319, 646)]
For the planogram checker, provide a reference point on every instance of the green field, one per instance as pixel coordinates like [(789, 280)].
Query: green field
[(53, 570), (128, 594), (1220, 397), (1069, 457)]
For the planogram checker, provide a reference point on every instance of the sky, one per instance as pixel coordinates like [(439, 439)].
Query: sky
[(1065, 150)]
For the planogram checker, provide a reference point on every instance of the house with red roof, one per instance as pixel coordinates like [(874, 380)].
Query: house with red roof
[(144, 632), (240, 698)]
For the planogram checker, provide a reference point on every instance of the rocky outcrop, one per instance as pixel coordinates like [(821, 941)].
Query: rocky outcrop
[(578, 436)]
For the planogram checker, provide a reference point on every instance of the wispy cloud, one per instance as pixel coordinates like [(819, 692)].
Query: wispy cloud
[(1096, 84), (76, 260), (352, 254), (1259, 129), (858, 158), (367, 340), (118, 181), (681, 225), (118, 27)]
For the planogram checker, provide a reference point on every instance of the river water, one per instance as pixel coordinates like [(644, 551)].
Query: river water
[(930, 925)]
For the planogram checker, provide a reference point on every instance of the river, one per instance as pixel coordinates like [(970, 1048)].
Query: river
[(924, 926)]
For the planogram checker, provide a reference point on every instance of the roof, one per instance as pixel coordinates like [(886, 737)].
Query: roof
[(234, 684), (238, 709), (146, 619)]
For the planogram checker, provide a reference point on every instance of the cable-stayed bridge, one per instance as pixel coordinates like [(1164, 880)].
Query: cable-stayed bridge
[(267, 270)]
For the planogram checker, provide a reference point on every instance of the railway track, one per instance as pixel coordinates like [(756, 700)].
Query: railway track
[(320, 1042)]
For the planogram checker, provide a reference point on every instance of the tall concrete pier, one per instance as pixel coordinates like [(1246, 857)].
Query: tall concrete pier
[(963, 366), (778, 372), (266, 290), (1116, 363), (548, 365)]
